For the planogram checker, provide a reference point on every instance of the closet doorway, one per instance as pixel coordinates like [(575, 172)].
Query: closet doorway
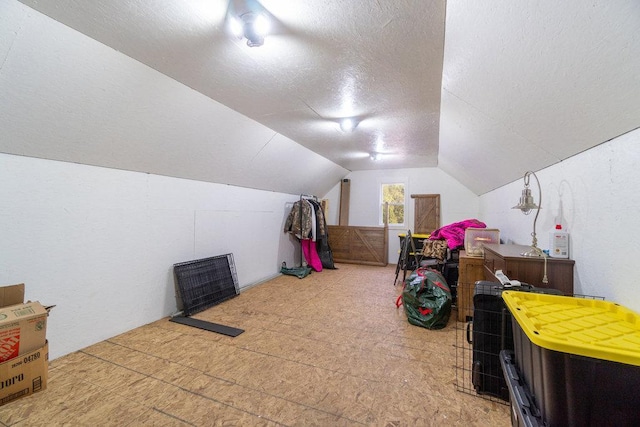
[(427, 213)]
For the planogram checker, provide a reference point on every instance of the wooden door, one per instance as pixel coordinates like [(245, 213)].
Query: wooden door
[(427, 213)]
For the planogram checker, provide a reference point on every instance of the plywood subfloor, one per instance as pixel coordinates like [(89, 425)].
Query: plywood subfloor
[(327, 350)]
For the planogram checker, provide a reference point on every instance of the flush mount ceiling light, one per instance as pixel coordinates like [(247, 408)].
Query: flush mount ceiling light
[(348, 124), (253, 26)]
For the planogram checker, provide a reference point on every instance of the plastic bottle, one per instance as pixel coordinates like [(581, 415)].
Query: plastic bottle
[(559, 243)]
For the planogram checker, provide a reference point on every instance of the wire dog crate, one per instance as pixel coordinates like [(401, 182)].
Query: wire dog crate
[(478, 369), (479, 341), (206, 282)]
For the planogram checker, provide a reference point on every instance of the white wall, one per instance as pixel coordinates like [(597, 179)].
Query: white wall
[(456, 201), (333, 196), (595, 196), (100, 243)]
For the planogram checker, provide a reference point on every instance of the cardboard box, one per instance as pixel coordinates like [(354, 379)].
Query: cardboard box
[(12, 295), (24, 375), (23, 328), (24, 350)]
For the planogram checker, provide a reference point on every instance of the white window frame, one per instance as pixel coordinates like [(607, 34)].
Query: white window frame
[(381, 183)]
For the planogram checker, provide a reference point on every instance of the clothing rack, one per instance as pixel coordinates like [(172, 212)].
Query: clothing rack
[(303, 197)]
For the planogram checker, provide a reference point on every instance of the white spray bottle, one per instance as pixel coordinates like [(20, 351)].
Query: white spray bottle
[(559, 243)]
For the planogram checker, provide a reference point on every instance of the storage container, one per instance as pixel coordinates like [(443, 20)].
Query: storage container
[(523, 411), (475, 238), (580, 358)]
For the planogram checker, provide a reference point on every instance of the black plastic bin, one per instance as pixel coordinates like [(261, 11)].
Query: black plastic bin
[(524, 413), (580, 358), (492, 332)]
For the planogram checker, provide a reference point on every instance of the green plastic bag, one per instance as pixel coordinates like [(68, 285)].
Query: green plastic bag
[(427, 299)]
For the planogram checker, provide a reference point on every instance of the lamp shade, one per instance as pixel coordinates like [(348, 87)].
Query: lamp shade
[(526, 203)]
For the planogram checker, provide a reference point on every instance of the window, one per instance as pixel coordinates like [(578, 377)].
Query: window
[(394, 195)]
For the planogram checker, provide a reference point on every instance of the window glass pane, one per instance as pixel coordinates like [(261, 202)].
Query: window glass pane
[(396, 214), (393, 193)]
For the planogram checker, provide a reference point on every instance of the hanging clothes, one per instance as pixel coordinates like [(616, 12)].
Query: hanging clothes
[(321, 229), (311, 254), (303, 223), (314, 221), (322, 237), (299, 220)]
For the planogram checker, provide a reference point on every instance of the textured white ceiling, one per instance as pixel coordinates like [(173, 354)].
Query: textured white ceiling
[(509, 86)]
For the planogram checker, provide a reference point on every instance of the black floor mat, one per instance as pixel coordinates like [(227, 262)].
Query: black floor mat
[(208, 326)]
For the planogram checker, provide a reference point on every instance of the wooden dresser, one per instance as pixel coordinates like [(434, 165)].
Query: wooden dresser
[(508, 259), (470, 270), (527, 269)]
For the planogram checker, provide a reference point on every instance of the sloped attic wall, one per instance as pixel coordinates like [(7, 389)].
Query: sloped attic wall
[(68, 97), (100, 242), (594, 195), (528, 84)]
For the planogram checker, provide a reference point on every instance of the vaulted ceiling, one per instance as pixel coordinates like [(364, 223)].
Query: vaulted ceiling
[(485, 90)]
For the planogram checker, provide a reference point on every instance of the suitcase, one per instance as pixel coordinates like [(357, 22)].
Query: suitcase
[(492, 332)]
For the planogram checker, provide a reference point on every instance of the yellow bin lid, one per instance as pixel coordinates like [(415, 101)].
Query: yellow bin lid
[(581, 326), (415, 235)]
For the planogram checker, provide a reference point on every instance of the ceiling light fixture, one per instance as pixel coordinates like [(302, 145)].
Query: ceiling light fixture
[(375, 156), (348, 124), (526, 205), (253, 26)]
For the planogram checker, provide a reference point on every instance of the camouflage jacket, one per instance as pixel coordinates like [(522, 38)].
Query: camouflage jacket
[(299, 220)]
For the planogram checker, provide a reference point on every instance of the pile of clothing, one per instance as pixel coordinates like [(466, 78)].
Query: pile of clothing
[(454, 233)]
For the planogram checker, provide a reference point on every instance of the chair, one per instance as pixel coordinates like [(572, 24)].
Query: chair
[(409, 258), (434, 254)]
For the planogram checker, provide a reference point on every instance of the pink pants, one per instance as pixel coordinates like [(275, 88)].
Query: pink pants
[(311, 254)]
